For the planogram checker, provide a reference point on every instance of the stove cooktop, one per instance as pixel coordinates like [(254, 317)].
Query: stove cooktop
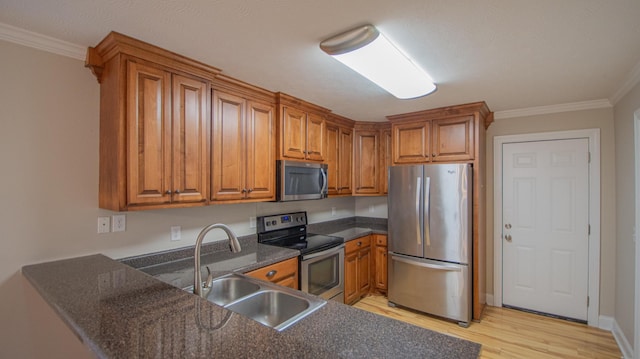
[(308, 243), (289, 230)]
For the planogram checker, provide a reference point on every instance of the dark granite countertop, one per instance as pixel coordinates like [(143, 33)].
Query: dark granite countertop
[(119, 311)]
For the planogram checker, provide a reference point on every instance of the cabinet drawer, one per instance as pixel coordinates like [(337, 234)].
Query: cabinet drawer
[(381, 240), (277, 271), (357, 244)]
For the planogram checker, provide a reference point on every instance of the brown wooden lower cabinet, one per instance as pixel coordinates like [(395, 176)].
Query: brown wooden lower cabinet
[(283, 273), (379, 244), (357, 269)]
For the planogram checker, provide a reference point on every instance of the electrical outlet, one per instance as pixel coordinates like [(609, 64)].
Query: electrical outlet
[(103, 224), (118, 223), (176, 233), (252, 222)]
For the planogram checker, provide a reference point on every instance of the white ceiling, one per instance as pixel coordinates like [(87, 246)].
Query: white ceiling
[(513, 54)]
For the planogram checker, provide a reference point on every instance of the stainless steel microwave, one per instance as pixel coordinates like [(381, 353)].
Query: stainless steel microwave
[(297, 181)]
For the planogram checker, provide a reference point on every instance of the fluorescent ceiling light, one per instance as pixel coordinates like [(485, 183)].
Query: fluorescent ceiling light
[(366, 51)]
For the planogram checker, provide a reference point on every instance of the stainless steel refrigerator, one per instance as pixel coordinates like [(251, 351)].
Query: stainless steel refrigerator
[(430, 239)]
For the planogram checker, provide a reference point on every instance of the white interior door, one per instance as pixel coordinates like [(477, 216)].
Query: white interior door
[(545, 226)]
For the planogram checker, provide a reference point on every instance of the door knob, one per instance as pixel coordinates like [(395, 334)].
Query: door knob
[(507, 226), (508, 237)]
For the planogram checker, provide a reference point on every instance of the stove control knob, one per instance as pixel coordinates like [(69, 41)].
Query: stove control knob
[(273, 223)]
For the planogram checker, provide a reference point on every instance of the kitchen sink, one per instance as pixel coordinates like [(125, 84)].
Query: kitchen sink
[(272, 308), (229, 289), (267, 303)]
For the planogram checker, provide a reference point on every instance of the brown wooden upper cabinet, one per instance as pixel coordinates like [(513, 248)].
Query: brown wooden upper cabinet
[(366, 160), (339, 155), (243, 144), (153, 125), (371, 155), (438, 140), (301, 129)]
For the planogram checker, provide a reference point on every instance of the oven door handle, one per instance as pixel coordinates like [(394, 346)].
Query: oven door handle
[(325, 252)]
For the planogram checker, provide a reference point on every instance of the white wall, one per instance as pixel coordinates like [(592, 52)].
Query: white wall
[(625, 208), (49, 111), (365, 205)]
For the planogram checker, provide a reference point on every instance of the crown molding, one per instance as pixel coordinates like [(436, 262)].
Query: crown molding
[(41, 42), (631, 81), (544, 110)]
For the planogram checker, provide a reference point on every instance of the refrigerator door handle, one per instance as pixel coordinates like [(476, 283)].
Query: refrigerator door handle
[(427, 265), (427, 213), (418, 214)]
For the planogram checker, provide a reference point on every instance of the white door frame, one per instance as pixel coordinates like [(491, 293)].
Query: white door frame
[(593, 311), (636, 330)]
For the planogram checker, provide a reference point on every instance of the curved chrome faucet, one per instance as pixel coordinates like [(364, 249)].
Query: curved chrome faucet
[(234, 246)]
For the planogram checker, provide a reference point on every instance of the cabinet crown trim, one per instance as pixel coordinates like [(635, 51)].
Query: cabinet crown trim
[(115, 43), (288, 100), (466, 109)]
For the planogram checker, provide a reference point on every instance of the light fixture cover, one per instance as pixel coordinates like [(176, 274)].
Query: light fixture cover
[(369, 53)]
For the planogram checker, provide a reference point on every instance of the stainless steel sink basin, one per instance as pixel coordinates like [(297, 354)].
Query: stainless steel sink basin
[(229, 289), (267, 303), (273, 308)]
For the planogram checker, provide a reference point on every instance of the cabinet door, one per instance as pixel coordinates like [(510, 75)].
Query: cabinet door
[(261, 151), (385, 159), (364, 271), (228, 157), (351, 292), (366, 162), (315, 137), (190, 176), (453, 139), (411, 142), (345, 154), (380, 258), (331, 158), (293, 133), (148, 135)]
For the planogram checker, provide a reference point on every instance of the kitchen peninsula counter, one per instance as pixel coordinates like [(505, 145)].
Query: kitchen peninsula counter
[(119, 311)]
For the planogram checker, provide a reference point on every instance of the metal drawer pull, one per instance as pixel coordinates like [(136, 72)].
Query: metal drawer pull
[(271, 273)]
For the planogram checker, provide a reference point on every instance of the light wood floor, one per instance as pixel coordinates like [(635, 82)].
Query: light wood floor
[(508, 333)]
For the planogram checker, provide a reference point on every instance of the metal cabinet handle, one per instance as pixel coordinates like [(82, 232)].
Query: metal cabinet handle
[(177, 191), (250, 190), (168, 192), (359, 244), (244, 190), (271, 273), (433, 155)]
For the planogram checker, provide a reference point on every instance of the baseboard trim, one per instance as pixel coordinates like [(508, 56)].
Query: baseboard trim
[(605, 322), (490, 300), (623, 343)]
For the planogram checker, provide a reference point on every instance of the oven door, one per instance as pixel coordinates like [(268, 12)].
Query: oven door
[(323, 274)]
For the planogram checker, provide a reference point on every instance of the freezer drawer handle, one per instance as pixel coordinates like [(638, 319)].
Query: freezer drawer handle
[(428, 265)]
